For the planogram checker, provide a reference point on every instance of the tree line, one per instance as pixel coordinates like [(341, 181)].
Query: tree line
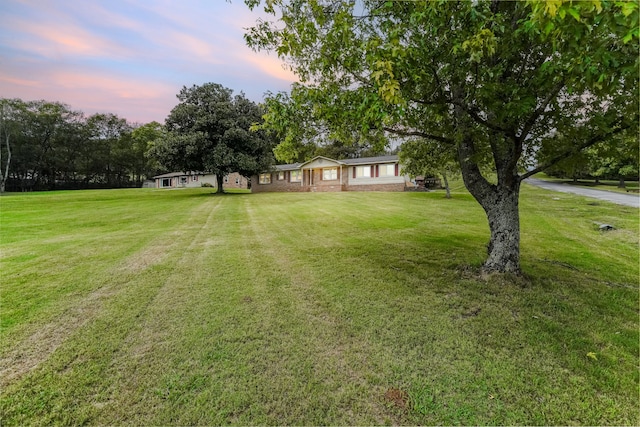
[(47, 145), (616, 161)]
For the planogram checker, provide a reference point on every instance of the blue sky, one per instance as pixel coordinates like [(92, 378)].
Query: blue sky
[(129, 57)]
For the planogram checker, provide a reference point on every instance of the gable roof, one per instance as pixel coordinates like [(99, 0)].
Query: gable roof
[(320, 159)]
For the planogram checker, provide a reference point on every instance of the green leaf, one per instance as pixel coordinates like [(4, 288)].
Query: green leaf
[(598, 5), (573, 12), (548, 28), (628, 8)]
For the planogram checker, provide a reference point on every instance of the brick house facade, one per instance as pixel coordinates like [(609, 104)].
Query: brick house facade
[(199, 179), (324, 174)]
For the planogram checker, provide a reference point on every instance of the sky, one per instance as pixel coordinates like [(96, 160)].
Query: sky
[(130, 57)]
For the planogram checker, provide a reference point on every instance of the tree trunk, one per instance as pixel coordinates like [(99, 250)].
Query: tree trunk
[(504, 223), (500, 203), (621, 183), (446, 185), (4, 176), (220, 180)]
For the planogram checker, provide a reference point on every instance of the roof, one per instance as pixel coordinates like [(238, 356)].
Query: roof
[(370, 160), (357, 161), (290, 167), (174, 174)]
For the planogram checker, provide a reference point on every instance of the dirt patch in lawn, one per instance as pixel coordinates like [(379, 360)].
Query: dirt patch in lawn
[(397, 397), (147, 257)]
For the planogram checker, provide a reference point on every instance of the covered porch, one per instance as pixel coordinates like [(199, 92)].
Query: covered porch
[(324, 174)]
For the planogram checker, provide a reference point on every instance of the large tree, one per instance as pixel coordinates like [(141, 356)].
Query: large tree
[(111, 148), (143, 138), (42, 136), (210, 131), (495, 80)]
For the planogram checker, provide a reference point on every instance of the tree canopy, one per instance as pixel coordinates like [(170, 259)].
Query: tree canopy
[(210, 131), (497, 81), (48, 145), (427, 157)]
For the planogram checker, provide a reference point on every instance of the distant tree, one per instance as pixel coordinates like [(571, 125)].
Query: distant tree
[(111, 156), (492, 79), (10, 110), (45, 132), (47, 145), (210, 131), (420, 157), (618, 159), (143, 139), (575, 167)]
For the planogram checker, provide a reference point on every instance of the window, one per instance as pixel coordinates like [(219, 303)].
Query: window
[(195, 178), (330, 174), (295, 176), (388, 170), (265, 178), (183, 179), (363, 172), (238, 181), (166, 182), (226, 179), (280, 175)]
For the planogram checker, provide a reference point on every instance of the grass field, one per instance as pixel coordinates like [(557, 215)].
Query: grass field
[(145, 307)]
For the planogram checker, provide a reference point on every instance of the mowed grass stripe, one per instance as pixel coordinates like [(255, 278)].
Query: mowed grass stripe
[(89, 331), (314, 309), (337, 362)]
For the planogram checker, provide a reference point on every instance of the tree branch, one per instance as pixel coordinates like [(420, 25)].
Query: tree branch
[(476, 117), (402, 132), (540, 110)]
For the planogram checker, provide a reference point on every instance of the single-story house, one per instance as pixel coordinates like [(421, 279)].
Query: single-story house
[(199, 179), (380, 173)]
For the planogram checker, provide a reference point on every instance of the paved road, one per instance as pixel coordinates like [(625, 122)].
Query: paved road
[(627, 199)]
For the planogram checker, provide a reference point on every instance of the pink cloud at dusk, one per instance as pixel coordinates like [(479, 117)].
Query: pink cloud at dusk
[(93, 92), (268, 64), (129, 57)]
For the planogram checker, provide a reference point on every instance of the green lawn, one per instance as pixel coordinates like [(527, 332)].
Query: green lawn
[(179, 307)]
